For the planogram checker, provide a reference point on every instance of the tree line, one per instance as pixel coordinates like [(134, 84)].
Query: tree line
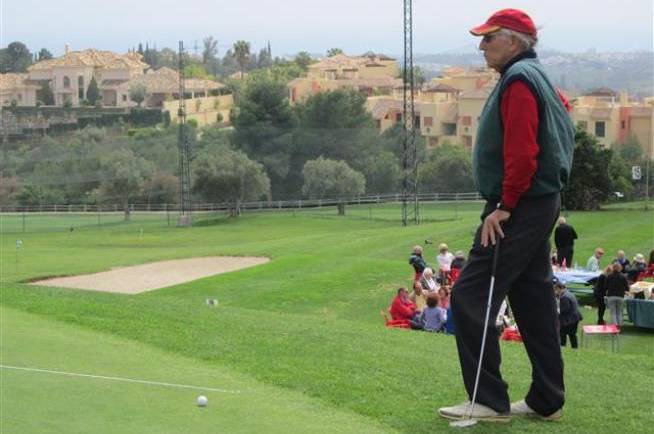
[(325, 146)]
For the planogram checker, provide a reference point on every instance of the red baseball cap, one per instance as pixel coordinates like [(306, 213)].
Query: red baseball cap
[(513, 19)]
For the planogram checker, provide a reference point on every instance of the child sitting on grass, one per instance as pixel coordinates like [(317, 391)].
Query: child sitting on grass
[(433, 317)]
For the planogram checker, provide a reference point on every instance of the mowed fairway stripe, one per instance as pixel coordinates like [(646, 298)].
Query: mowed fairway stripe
[(128, 380)]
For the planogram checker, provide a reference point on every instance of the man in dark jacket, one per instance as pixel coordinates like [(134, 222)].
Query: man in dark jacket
[(564, 240), (569, 314), (521, 162)]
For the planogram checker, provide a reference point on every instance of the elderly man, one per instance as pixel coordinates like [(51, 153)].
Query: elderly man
[(521, 162), (564, 240)]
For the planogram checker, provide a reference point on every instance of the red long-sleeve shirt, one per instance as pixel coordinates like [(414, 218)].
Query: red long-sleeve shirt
[(520, 118)]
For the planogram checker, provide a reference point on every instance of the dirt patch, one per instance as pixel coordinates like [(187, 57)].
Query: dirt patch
[(147, 277)]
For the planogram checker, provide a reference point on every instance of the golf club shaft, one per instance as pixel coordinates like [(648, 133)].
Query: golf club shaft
[(496, 254)]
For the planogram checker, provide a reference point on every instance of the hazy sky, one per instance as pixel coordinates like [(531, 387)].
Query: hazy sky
[(314, 26)]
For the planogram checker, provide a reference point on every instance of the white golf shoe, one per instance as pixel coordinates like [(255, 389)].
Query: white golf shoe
[(521, 408), (480, 412)]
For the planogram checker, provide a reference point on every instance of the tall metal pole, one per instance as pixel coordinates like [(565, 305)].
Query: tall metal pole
[(650, 155), (184, 149), (410, 204)]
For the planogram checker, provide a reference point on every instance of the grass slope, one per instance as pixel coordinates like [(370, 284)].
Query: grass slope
[(308, 320), (37, 402)]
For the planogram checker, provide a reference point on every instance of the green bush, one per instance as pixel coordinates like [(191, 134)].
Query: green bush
[(145, 117)]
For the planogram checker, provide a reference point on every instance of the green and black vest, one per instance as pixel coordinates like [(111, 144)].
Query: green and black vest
[(555, 134)]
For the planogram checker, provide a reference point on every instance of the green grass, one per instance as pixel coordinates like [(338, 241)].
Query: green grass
[(308, 321), (32, 401)]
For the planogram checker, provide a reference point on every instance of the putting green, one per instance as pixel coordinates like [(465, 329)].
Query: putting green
[(40, 402)]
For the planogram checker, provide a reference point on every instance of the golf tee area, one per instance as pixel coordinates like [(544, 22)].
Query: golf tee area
[(293, 343)]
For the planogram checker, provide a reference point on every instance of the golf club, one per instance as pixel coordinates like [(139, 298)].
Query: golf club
[(469, 421)]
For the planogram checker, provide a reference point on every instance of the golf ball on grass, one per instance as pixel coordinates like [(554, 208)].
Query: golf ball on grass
[(202, 401)]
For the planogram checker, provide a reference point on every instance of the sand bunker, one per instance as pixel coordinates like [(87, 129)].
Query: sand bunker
[(146, 277)]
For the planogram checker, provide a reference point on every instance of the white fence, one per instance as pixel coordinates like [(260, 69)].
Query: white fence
[(259, 205)]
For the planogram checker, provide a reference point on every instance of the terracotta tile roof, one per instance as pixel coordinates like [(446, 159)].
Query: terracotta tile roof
[(440, 88), (92, 58), (370, 82), (602, 91), (343, 61), (12, 81), (383, 106), (166, 80)]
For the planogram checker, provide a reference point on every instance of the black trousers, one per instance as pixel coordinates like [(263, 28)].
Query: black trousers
[(601, 308), (565, 253), (524, 273), (570, 331)]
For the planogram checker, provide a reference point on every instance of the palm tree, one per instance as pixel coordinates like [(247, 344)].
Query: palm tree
[(242, 54)]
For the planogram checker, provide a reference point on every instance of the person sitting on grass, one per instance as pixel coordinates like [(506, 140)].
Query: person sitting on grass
[(402, 310), (444, 297), (418, 297), (569, 314), (433, 317), (417, 262), (427, 280)]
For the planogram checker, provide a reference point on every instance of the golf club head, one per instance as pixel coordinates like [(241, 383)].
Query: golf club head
[(463, 423)]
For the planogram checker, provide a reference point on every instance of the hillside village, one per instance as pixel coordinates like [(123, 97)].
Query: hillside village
[(447, 106)]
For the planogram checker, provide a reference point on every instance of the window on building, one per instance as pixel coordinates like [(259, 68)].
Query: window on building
[(398, 117), (417, 121), (124, 97), (448, 129), (466, 121), (66, 82), (600, 129), (80, 87), (429, 121), (623, 124)]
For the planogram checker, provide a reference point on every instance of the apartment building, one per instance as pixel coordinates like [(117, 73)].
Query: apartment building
[(613, 117), (371, 74), (444, 112), (17, 89), (69, 77)]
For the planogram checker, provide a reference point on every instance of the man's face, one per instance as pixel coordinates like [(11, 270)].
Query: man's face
[(498, 49)]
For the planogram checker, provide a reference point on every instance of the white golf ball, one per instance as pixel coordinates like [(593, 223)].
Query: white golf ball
[(202, 401)]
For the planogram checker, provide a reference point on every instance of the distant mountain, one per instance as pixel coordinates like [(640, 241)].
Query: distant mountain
[(575, 72)]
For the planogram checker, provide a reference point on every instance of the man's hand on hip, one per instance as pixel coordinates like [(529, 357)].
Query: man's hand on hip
[(492, 228)]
